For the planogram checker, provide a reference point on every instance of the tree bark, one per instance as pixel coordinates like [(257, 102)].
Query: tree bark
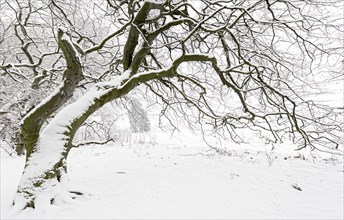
[(33, 121)]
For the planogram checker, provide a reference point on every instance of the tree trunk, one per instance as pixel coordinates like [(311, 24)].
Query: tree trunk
[(33, 121), (44, 177)]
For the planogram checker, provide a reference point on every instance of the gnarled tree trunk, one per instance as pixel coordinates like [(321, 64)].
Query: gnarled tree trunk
[(33, 121), (30, 138), (45, 169)]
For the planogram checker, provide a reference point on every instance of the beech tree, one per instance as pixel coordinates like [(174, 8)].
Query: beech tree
[(219, 65)]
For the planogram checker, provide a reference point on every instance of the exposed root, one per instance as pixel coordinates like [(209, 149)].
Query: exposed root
[(51, 193)]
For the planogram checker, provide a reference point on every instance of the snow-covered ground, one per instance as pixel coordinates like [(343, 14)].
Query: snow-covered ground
[(180, 178)]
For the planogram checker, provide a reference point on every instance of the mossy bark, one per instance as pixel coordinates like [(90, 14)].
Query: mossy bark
[(31, 125), (33, 121)]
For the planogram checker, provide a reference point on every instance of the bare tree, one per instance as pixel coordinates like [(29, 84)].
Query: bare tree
[(219, 65)]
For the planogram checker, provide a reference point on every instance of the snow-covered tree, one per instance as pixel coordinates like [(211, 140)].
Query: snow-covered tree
[(219, 65), (139, 121)]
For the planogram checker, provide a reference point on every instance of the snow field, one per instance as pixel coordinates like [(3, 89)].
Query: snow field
[(181, 178)]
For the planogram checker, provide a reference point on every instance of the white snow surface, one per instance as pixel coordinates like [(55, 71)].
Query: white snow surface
[(180, 178)]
